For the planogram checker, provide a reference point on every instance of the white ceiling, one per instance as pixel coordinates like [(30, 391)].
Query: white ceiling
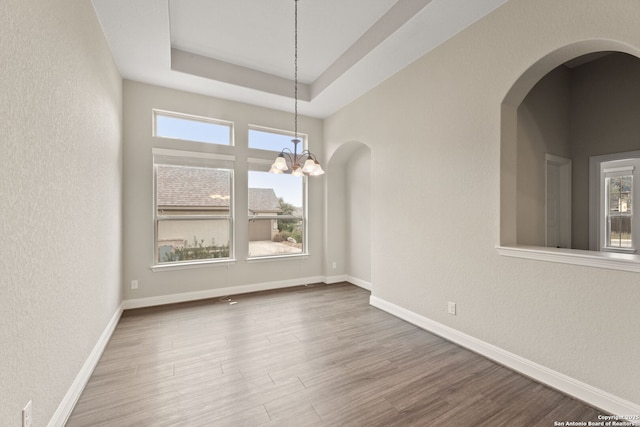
[(243, 50)]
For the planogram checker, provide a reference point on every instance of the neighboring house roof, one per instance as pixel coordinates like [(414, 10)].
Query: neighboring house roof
[(197, 188), (263, 200), (179, 186)]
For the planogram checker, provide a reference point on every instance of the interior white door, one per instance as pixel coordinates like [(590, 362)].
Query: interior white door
[(553, 226), (558, 202)]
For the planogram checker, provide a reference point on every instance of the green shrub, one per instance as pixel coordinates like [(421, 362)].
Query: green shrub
[(197, 251)]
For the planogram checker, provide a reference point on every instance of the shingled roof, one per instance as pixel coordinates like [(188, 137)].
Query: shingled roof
[(195, 187), (179, 186), (263, 200)]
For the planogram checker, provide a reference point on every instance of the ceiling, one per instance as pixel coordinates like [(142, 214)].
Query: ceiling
[(243, 50)]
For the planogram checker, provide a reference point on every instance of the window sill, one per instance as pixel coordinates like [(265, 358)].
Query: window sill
[(619, 250), (276, 258), (191, 265), (608, 260)]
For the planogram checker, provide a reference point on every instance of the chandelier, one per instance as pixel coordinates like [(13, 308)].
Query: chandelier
[(305, 162)]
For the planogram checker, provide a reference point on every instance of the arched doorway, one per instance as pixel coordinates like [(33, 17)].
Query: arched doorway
[(348, 201)]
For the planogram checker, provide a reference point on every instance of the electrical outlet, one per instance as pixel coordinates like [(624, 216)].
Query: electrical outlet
[(334, 265), (134, 284), (27, 416), (451, 308)]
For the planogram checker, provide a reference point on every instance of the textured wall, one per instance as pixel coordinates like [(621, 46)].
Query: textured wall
[(435, 135), (60, 192)]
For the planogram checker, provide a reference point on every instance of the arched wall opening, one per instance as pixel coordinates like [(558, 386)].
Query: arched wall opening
[(557, 107), (348, 216)]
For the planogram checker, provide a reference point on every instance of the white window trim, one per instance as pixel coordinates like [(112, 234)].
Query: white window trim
[(222, 160), (282, 257), (613, 173), (190, 265), (301, 136), (230, 125), (595, 192)]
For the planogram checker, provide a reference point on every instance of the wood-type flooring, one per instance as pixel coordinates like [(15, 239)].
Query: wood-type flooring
[(307, 356)]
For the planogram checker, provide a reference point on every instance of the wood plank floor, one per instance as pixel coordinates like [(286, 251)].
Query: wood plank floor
[(305, 356)]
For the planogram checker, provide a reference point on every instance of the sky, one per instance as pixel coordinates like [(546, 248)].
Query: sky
[(286, 186)]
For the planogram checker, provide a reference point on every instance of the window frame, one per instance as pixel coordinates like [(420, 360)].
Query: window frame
[(596, 196), (194, 159), (303, 137), (615, 169), (195, 118)]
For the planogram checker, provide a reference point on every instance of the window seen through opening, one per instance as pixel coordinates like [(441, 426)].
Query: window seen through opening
[(619, 211)]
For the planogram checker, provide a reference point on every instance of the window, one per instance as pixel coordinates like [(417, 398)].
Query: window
[(192, 128), (193, 212), (619, 182), (277, 215), (273, 140), (277, 225)]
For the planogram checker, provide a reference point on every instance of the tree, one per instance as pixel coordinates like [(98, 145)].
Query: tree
[(287, 209), (288, 228)]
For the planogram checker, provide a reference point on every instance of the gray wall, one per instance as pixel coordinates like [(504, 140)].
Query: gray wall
[(358, 215), (60, 186), (444, 111), (543, 127), (139, 100), (348, 214)]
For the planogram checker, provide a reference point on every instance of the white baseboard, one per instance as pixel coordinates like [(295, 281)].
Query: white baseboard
[(220, 292), (70, 399), (577, 389), (335, 279), (360, 283)]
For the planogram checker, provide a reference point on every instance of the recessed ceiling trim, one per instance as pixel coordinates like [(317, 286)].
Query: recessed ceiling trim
[(214, 69), (388, 24), (139, 35)]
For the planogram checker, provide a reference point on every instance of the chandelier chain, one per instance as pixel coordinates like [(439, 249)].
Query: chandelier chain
[(290, 161), (295, 62)]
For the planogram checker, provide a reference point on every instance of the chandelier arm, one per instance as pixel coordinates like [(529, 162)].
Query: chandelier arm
[(288, 156), (309, 154)]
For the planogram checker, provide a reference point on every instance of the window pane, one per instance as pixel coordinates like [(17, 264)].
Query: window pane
[(184, 240), (271, 141), (619, 190), (619, 233), (266, 239), (192, 129), (183, 193), (191, 190), (271, 196)]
